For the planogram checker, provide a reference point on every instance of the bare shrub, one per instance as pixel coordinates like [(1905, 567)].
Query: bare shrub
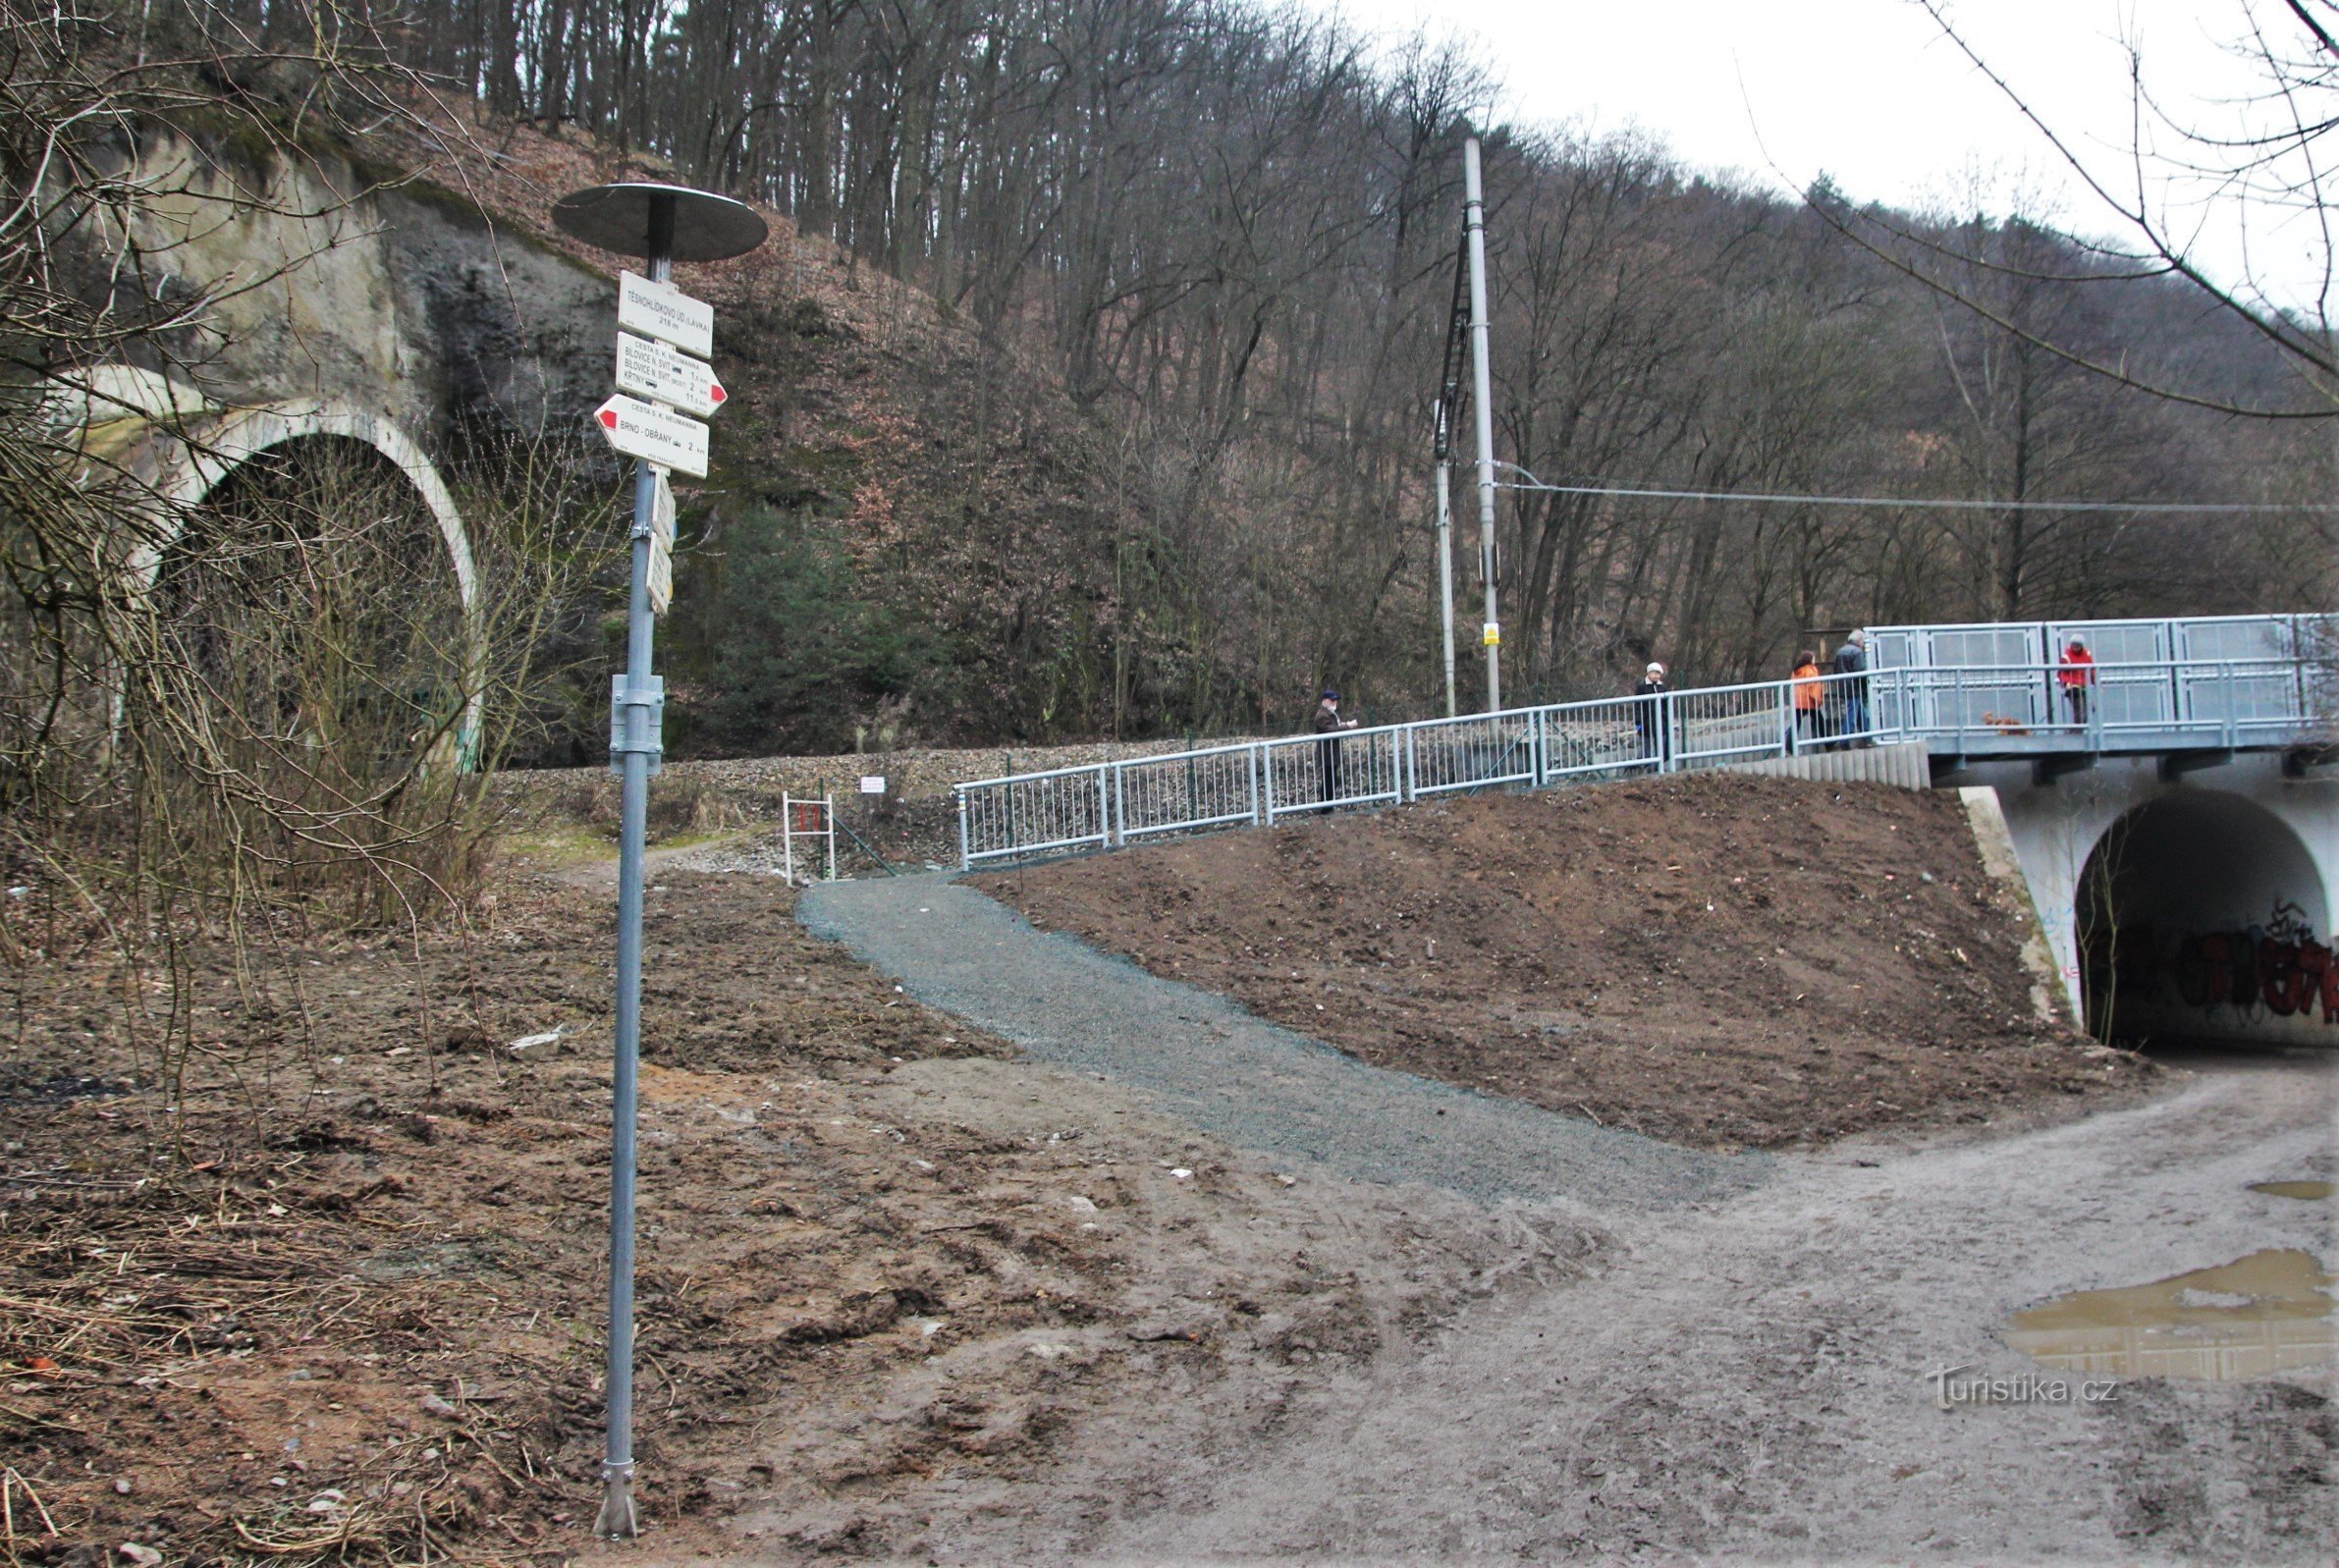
[(230, 727)]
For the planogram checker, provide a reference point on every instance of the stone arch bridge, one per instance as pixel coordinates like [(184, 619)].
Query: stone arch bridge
[(178, 449)]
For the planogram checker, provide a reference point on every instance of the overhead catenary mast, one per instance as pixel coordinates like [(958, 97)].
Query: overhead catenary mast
[(1446, 552), (1475, 230), (1453, 397)]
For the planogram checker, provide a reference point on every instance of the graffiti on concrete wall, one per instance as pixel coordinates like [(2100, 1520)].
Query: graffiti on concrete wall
[(2277, 967)]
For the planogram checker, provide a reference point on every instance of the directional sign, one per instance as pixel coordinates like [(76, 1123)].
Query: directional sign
[(654, 434), (654, 370), (662, 311), (661, 582), (661, 511), (661, 579)]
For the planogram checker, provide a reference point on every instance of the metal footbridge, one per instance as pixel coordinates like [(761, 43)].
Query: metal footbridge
[(2191, 691)]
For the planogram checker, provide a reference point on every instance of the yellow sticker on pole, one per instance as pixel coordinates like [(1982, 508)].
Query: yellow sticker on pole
[(1493, 634)]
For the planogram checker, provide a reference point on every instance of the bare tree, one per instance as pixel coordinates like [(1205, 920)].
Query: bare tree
[(2273, 163), (223, 723)]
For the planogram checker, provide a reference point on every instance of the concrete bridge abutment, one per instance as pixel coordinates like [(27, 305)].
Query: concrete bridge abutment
[(2189, 903)]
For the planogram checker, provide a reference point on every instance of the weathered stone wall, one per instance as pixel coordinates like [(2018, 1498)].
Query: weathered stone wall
[(403, 301)]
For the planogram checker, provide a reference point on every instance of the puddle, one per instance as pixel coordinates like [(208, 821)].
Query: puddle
[(2269, 1312), (2312, 1191)]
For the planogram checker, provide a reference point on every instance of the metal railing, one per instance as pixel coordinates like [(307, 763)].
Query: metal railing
[(1962, 709), (2210, 702)]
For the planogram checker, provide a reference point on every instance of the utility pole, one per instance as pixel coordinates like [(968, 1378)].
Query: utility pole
[(662, 339), (1445, 549), (1473, 218)]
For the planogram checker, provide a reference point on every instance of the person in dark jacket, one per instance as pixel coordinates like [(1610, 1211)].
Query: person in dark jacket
[(1851, 662), (1328, 724), (1648, 712)]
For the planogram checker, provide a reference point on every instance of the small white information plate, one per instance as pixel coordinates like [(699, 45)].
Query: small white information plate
[(661, 579), (654, 434), (662, 509), (652, 369), (662, 311), (873, 783)]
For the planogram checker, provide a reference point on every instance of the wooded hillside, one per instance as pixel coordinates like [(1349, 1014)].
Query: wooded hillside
[(1201, 255)]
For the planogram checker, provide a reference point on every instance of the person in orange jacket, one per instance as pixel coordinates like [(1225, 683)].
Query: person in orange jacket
[(1811, 699), (2077, 674)]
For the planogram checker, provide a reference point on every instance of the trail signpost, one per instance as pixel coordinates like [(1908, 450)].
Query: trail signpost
[(662, 224), (650, 368), (662, 548), (653, 434), (656, 308)]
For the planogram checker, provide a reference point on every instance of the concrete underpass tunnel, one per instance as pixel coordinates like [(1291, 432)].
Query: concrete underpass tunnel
[(2202, 919)]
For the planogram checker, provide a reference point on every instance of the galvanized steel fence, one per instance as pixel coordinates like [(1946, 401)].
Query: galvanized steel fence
[(1964, 708)]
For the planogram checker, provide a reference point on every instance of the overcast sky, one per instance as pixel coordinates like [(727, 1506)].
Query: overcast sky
[(1870, 92)]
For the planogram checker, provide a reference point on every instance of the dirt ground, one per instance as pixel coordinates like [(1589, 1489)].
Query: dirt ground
[(345, 1305), (1753, 1381), (330, 1286), (1719, 960)]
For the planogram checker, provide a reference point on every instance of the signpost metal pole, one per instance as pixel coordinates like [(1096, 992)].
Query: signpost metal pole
[(618, 1516), (1473, 220), (646, 220)]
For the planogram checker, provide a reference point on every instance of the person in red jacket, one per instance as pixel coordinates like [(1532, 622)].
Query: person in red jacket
[(2077, 673)]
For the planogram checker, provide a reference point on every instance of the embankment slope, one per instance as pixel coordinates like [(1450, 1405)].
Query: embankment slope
[(1719, 960)]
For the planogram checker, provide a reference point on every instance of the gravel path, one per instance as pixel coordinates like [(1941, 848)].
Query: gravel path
[(1200, 1056)]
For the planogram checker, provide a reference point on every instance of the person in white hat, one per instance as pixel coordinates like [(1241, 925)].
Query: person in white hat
[(1649, 712)]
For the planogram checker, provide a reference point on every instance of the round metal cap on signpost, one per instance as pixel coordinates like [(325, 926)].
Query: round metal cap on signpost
[(662, 224), (704, 227)]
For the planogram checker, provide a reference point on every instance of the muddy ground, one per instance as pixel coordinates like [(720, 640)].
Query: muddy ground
[(1715, 959), (347, 1296), (1751, 1382), (330, 1285)]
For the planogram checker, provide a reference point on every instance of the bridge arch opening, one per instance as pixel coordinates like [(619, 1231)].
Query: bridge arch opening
[(312, 586), (284, 454), (2202, 919)]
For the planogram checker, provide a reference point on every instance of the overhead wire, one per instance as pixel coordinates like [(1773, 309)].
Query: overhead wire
[(1938, 504)]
